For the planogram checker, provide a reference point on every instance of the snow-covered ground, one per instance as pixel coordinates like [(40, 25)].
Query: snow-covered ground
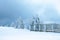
[(10, 33)]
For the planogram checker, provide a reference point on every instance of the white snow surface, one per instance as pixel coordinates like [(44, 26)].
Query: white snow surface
[(10, 33)]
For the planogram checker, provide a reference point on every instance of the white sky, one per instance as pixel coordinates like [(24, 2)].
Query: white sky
[(56, 3), (40, 6)]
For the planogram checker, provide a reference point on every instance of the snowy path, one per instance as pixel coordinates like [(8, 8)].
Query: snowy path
[(9, 33)]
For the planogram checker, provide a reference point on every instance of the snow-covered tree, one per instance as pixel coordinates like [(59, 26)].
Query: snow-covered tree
[(31, 27), (37, 24), (12, 24), (19, 23)]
